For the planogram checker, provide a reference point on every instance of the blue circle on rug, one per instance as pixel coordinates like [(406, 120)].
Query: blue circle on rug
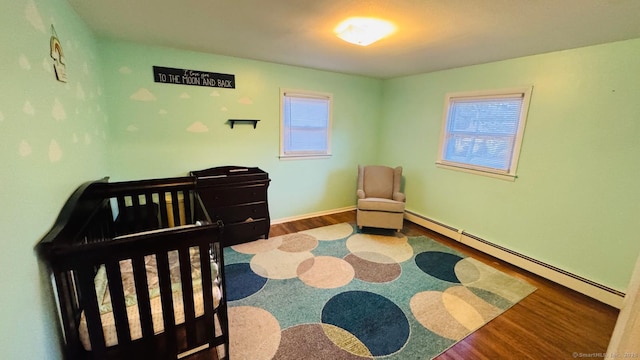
[(375, 320), (241, 281), (439, 264)]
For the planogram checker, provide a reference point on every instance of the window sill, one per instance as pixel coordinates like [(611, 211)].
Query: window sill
[(304, 157), (507, 177)]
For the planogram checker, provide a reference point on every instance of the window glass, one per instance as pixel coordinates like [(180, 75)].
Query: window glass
[(305, 124), (483, 131)]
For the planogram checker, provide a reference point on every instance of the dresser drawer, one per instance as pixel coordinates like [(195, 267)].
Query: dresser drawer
[(240, 213), (214, 197), (238, 233)]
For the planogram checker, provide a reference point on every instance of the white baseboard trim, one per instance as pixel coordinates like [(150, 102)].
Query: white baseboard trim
[(310, 215), (582, 285)]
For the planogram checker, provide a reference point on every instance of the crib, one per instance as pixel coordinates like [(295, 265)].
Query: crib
[(136, 271)]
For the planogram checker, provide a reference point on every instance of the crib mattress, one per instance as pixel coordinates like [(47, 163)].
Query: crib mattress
[(104, 299)]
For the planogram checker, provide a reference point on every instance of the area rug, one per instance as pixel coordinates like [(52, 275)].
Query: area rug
[(338, 293)]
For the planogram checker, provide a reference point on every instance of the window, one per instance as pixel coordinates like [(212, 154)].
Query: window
[(305, 124), (482, 131)]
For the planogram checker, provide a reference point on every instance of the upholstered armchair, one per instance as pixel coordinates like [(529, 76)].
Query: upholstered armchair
[(380, 202)]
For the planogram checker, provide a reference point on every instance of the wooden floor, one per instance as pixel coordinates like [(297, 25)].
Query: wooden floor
[(552, 323)]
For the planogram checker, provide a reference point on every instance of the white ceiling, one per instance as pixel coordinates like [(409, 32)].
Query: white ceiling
[(431, 34)]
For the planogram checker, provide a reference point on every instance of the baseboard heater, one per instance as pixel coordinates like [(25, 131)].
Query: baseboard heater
[(575, 282)]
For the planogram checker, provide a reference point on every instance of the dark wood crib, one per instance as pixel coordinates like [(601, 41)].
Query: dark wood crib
[(149, 247)]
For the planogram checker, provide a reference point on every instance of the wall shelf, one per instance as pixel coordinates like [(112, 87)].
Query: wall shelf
[(252, 121)]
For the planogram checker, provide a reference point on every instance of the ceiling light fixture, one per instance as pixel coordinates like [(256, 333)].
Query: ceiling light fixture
[(364, 31)]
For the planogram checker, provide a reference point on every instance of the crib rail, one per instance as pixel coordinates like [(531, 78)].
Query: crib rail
[(103, 224)]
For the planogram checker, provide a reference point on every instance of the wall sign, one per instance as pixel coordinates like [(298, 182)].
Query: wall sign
[(58, 56), (193, 77)]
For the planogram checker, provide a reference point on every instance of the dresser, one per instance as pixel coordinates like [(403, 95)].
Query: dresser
[(237, 196)]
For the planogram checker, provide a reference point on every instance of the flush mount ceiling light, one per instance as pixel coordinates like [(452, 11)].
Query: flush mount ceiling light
[(363, 31)]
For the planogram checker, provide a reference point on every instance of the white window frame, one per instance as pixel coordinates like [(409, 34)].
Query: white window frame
[(284, 128), (450, 98)]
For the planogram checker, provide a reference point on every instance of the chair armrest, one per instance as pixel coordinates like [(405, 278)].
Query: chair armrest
[(398, 196), (361, 194)]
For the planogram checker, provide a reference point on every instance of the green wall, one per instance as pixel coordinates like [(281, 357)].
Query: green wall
[(161, 130), (56, 136), (53, 137), (576, 196)]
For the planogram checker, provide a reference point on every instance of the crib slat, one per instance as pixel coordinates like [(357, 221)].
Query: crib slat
[(121, 204), (68, 306), (118, 304), (187, 294), (149, 205), (207, 284), (137, 209), (148, 200), (164, 220), (223, 337), (175, 205), (142, 293), (166, 297), (89, 303), (188, 214)]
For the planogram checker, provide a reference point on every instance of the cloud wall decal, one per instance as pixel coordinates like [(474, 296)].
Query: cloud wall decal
[(197, 127), (143, 94)]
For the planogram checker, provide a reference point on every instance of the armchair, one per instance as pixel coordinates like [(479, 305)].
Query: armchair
[(380, 202)]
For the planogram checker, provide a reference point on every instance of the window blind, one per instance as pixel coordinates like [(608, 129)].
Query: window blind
[(482, 131), (306, 124)]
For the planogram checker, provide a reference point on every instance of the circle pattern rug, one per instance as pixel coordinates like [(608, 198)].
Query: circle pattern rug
[(337, 293)]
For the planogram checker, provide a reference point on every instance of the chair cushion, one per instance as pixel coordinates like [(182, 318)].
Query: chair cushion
[(378, 182), (379, 204)]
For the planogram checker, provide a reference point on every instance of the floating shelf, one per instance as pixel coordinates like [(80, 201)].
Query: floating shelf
[(233, 121)]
